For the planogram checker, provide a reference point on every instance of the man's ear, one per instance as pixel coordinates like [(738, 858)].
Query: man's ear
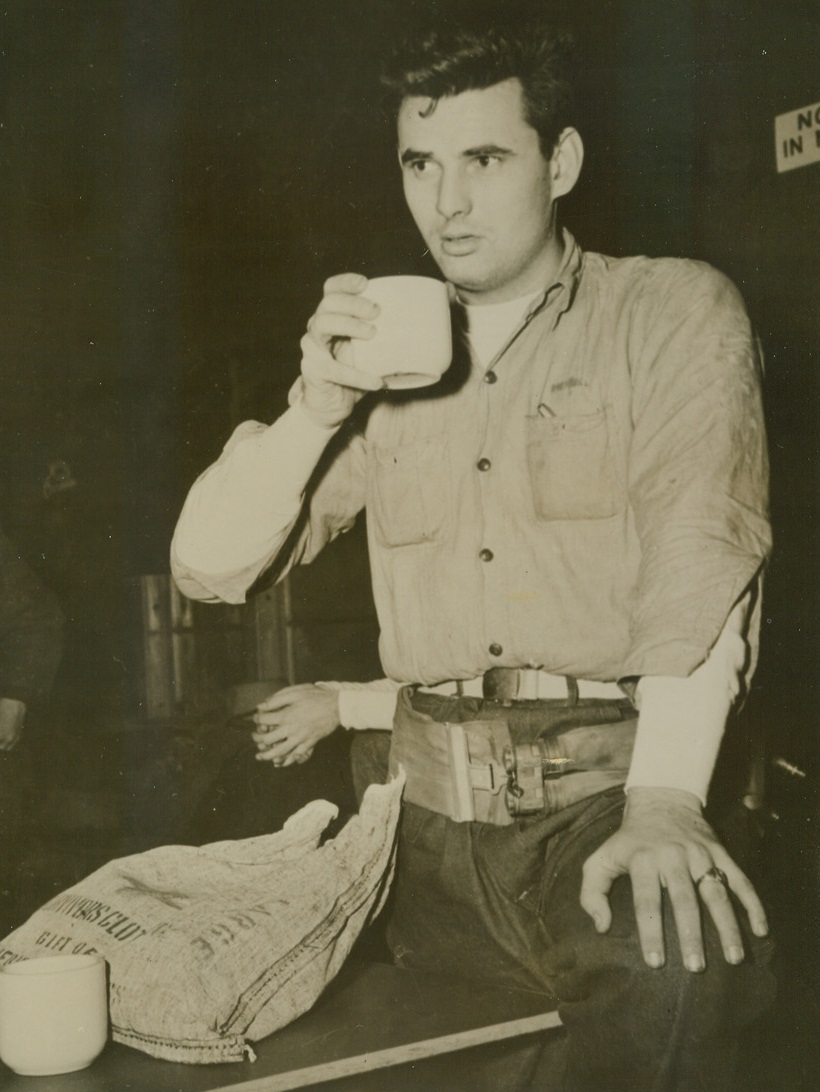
[(566, 162)]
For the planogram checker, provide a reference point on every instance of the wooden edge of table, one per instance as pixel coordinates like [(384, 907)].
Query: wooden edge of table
[(371, 1017)]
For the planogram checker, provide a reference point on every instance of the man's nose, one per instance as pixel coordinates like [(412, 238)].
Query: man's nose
[(453, 194)]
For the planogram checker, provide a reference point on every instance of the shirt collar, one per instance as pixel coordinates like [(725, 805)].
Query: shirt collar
[(560, 292)]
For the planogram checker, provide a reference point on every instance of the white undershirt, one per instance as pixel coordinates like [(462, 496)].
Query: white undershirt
[(490, 325)]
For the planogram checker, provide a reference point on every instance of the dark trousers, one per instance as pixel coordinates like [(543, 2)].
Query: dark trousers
[(501, 903)]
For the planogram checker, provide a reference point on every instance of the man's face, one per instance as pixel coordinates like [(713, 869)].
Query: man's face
[(479, 190)]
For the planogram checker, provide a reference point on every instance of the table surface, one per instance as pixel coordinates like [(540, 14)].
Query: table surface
[(370, 1013)]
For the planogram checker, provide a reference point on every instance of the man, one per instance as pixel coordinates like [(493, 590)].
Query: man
[(571, 525)]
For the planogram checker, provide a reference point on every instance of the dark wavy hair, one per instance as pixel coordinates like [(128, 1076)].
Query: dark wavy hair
[(442, 60)]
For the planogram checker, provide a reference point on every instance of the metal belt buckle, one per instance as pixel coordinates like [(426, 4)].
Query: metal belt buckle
[(528, 768), (508, 684), (500, 684)]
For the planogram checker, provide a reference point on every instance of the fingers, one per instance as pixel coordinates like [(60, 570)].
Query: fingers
[(273, 752), (274, 747), (290, 723), (686, 896), (742, 886), (714, 894), (274, 736), (351, 283), (327, 325), (598, 878), (647, 898), (298, 758), (686, 910), (280, 698), (282, 745), (295, 758), (715, 897), (285, 753), (673, 872), (331, 384), (274, 703), (273, 728), (269, 756), (662, 844), (320, 366), (343, 312), (650, 873)]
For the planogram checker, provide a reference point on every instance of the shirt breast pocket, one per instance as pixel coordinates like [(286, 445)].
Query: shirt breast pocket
[(571, 467), (410, 492)]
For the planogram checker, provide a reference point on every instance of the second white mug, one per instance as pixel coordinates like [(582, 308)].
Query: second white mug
[(53, 1013)]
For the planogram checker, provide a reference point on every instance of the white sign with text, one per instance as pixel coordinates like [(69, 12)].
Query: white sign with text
[(797, 138)]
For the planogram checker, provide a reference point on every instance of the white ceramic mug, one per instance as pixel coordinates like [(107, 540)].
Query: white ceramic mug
[(413, 343), (53, 1013)]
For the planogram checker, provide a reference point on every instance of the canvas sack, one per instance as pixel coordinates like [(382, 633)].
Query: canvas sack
[(212, 947)]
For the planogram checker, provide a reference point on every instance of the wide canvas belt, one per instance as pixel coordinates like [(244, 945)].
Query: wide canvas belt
[(461, 770)]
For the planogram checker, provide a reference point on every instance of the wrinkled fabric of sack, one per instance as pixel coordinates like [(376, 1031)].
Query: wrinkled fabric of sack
[(212, 947)]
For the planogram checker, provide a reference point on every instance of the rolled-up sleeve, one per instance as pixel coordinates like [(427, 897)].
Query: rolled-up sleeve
[(698, 481)]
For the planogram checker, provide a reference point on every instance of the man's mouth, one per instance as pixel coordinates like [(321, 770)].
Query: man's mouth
[(458, 244)]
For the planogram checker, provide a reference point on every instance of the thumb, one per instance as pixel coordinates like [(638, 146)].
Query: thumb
[(595, 888)]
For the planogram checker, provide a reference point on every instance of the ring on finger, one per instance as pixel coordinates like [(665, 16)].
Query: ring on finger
[(713, 873)]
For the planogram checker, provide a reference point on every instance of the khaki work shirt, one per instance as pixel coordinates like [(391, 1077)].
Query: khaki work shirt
[(593, 503)]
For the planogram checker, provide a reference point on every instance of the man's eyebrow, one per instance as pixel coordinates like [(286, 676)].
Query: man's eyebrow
[(486, 149), (409, 155)]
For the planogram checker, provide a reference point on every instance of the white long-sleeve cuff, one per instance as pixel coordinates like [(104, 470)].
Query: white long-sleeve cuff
[(363, 706), (681, 720)]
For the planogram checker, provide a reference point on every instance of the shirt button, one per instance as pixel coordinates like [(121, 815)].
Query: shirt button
[(485, 554), (495, 649), (490, 377), (484, 464)]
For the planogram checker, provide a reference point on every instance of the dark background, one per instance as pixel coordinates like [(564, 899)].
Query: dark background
[(178, 179)]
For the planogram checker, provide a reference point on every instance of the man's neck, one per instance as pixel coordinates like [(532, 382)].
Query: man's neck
[(537, 278)]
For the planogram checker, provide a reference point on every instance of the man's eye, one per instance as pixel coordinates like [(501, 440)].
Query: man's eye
[(487, 160), (420, 166)]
